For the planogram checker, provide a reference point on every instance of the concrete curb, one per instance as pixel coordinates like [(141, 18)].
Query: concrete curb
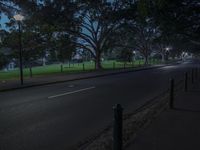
[(87, 77)]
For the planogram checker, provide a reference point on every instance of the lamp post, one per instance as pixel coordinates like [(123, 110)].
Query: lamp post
[(133, 61), (19, 19), (167, 49), (134, 53)]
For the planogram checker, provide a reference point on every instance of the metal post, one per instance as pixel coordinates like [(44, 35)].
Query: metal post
[(31, 72), (117, 127), (196, 73), (61, 67), (20, 54), (186, 82), (192, 76), (113, 65), (83, 67), (171, 102)]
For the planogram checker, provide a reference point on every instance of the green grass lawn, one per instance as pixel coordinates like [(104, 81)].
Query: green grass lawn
[(72, 68)]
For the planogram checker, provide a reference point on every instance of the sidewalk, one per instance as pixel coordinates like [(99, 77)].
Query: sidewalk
[(176, 129), (59, 78)]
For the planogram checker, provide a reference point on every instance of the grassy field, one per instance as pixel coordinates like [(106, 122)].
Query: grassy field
[(72, 68)]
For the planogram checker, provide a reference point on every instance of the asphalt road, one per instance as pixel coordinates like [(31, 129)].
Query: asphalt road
[(56, 117)]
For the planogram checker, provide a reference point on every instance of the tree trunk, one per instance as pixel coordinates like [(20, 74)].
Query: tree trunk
[(163, 57), (146, 60), (98, 65), (44, 61), (61, 67)]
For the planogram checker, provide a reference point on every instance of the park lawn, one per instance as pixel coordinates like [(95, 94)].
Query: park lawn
[(72, 68), (46, 70)]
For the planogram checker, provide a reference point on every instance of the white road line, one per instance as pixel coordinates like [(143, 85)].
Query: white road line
[(73, 92)]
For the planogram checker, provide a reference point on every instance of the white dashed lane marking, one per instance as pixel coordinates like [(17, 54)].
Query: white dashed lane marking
[(72, 92)]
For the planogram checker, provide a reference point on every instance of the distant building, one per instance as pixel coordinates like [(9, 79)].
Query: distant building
[(10, 66)]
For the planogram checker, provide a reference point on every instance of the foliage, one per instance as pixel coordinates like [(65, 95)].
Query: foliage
[(61, 28), (3, 60), (98, 23)]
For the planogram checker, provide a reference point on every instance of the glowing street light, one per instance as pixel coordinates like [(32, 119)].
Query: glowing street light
[(167, 49), (19, 18)]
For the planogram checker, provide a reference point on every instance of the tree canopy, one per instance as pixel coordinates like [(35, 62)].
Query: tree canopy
[(63, 27)]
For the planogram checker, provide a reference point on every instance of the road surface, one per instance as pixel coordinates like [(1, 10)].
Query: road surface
[(56, 117)]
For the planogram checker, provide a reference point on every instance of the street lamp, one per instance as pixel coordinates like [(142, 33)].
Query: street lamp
[(134, 53), (167, 49), (19, 18)]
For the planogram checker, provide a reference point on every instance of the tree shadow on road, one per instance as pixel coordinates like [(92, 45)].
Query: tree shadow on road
[(186, 110)]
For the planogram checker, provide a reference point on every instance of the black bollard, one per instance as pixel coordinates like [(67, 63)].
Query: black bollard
[(186, 82), (117, 127), (192, 76), (196, 73), (171, 101)]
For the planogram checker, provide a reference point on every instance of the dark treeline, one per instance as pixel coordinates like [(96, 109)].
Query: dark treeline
[(60, 28)]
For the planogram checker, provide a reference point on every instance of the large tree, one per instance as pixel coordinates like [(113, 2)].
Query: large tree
[(46, 27), (58, 19), (139, 29), (3, 57), (99, 21), (176, 22), (178, 18)]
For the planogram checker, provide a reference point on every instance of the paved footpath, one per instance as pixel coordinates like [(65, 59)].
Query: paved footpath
[(51, 79), (175, 129)]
